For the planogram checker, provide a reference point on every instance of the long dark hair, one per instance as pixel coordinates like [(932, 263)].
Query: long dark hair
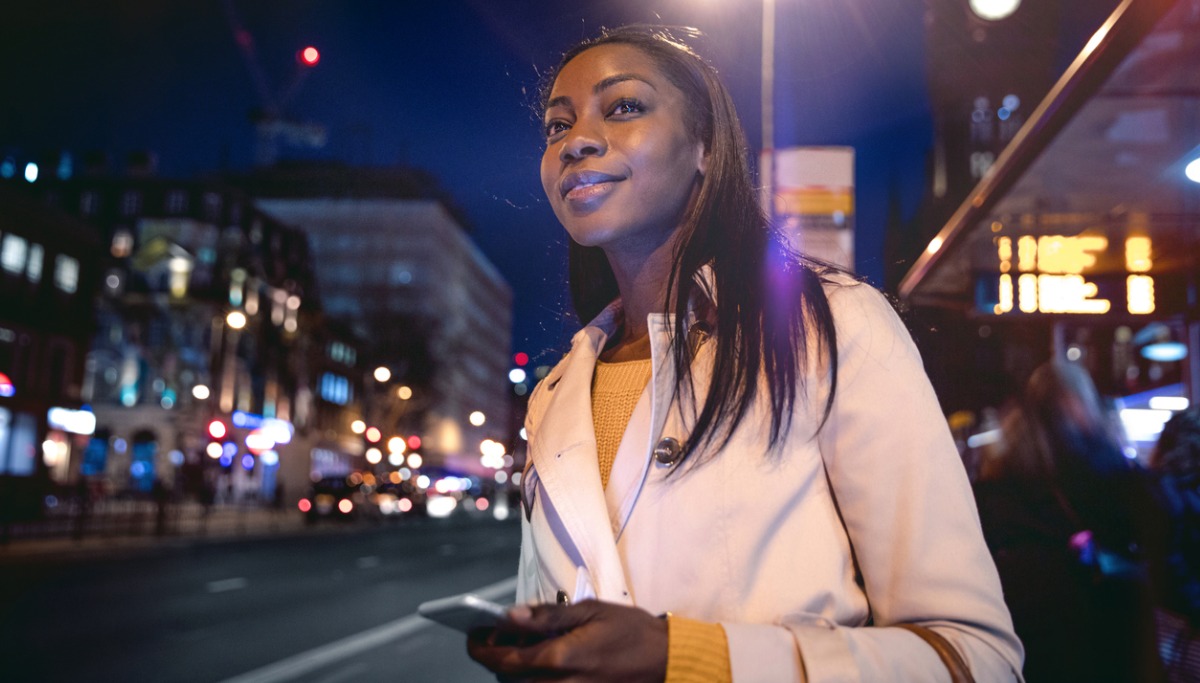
[(770, 302)]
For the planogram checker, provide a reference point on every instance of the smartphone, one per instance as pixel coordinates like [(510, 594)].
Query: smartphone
[(464, 612)]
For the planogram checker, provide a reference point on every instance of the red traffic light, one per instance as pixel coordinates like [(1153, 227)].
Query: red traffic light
[(217, 429), (309, 56)]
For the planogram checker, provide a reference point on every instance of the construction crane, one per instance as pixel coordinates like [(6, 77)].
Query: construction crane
[(272, 127)]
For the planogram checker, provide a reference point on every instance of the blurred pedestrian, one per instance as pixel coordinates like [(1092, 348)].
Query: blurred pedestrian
[(162, 497), (1176, 464), (741, 439), (1070, 520)]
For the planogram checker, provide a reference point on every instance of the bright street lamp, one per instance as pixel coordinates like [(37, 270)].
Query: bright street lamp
[(382, 374), (236, 320)]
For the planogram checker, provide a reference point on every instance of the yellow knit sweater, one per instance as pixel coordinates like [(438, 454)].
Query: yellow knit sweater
[(697, 651)]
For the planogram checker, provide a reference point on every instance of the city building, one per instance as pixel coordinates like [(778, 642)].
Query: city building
[(395, 261), (205, 371), (49, 271)]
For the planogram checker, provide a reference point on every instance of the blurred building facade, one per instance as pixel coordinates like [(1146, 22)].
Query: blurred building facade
[(396, 263), (49, 271), (205, 312)]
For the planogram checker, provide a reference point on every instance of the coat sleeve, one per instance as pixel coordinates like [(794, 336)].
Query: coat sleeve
[(909, 513)]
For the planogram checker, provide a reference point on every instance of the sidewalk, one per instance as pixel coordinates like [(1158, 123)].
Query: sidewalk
[(131, 525)]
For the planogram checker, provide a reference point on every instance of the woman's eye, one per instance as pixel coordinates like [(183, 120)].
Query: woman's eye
[(627, 106), (555, 127)]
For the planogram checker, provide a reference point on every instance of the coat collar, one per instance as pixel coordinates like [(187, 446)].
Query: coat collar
[(702, 306), (565, 453)]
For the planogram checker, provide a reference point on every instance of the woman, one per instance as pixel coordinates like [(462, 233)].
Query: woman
[(1176, 464), (740, 438), (1070, 523)]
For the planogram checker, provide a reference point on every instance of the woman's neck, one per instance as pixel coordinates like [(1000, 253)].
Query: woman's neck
[(642, 280)]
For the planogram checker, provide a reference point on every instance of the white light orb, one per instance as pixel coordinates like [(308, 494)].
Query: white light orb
[(994, 10)]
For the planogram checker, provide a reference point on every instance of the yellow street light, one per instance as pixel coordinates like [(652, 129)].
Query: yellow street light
[(236, 320)]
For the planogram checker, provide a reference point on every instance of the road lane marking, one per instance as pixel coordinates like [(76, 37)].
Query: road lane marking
[(298, 665), (368, 562), (234, 584)]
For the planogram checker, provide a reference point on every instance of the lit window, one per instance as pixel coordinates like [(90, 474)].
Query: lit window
[(176, 201), (66, 273), (212, 206), (12, 254), (89, 203), (131, 203), (33, 269), (122, 243), (335, 389)]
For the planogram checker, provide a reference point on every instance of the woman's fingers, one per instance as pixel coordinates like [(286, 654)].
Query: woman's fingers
[(577, 642)]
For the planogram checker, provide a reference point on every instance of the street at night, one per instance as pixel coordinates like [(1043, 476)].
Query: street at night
[(319, 605), (755, 340)]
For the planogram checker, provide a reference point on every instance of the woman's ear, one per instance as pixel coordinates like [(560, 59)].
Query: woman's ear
[(701, 160)]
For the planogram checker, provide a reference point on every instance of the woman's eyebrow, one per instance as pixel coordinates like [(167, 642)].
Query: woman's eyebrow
[(563, 100), (619, 78)]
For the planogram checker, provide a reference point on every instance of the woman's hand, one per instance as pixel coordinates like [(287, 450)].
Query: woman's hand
[(590, 641)]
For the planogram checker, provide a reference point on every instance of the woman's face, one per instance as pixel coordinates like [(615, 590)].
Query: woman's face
[(620, 165)]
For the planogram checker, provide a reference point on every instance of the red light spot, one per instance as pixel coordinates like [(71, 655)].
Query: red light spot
[(305, 505), (373, 434), (217, 429), (405, 505), (521, 358), (481, 504), (414, 442), (309, 56)]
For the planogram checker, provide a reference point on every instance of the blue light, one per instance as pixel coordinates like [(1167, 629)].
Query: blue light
[(228, 450), (8, 168), (31, 172), (246, 420), (1165, 352), (138, 469), (1192, 170), (248, 461), (226, 461), (119, 445), (1003, 113), (66, 167)]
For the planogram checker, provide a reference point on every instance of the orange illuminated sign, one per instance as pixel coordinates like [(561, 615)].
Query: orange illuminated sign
[(1051, 274)]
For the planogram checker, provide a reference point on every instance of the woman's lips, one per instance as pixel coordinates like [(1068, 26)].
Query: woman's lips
[(589, 191)]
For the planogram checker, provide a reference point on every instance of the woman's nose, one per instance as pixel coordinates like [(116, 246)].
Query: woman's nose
[(581, 141)]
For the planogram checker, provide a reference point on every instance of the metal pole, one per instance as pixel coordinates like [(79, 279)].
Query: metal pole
[(767, 157)]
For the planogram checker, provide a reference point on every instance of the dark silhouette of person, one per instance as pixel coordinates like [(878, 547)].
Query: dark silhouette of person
[(1068, 519)]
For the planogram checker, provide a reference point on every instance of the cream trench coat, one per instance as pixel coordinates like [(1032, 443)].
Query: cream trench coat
[(754, 541)]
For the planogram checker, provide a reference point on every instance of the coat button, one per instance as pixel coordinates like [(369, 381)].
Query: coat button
[(668, 451), (562, 598)]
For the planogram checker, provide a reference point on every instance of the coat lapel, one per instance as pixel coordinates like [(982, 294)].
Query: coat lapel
[(566, 462)]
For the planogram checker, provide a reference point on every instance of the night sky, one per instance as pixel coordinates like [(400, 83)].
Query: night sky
[(449, 86)]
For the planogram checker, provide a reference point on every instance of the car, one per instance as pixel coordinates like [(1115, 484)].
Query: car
[(396, 501), (340, 498)]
